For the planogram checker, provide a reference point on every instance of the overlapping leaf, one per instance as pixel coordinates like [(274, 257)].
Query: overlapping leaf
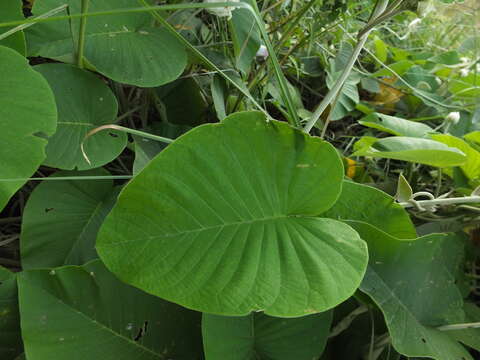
[(62, 218), (422, 151), (261, 336), (84, 102), (223, 221), (413, 283), (85, 312), (28, 114), (365, 203)]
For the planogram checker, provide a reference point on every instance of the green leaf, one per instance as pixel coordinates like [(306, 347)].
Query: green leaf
[(188, 109), (10, 338), (395, 125), (348, 98), (259, 336), (471, 168), (422, 151), (147, 149), (400, 68), (23, 127), (123, 47), (246, 38), (404, 190), (469, 337), (219, 90), (85, 312), (381, 50), (61, 220), (446, 58), (413, 283), (223, 221), (84, 103), (365, 203), (466, 86), (12, 11)]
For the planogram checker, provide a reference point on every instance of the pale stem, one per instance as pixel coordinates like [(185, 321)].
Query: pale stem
[(450, 201), (81, 36), (475, 325), (27, 25), (331, 95)]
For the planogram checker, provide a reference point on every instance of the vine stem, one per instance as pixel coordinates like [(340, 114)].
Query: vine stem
[(475, 325), (449, 201), (123, 129), (332, 94), (81, 35), (27, 25)]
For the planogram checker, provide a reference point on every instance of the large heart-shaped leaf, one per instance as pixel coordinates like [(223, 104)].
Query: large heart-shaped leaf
[(124, 47), (223, 221), (61, 220), (27, 115), (10, 338), (259, 336), (422, 151), (413, 283), (365, 203), (86, 313), (84, 102)]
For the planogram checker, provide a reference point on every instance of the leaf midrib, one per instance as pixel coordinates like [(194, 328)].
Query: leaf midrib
[(220, 226)]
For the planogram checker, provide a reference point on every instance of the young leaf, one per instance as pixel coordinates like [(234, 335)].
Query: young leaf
[(24, 127), (413, 283), (404, 190), (422, 151), (62, 218), (223, 221), (261, 336), (84, 102), (85, 312)]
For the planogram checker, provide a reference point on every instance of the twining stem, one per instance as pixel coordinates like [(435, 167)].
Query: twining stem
[(123, 129), (347, 321), (81, 36), (332, 94), (449, 201), (475, 325), (27, 25)]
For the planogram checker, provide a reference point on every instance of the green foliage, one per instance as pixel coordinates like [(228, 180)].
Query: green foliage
[(62, 218), (73, 308), (148, 212), (22, 140), (261, 336), (242, 218), (81, 109)]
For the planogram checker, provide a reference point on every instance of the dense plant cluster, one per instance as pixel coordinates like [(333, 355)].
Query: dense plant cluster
[(239, 180)]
